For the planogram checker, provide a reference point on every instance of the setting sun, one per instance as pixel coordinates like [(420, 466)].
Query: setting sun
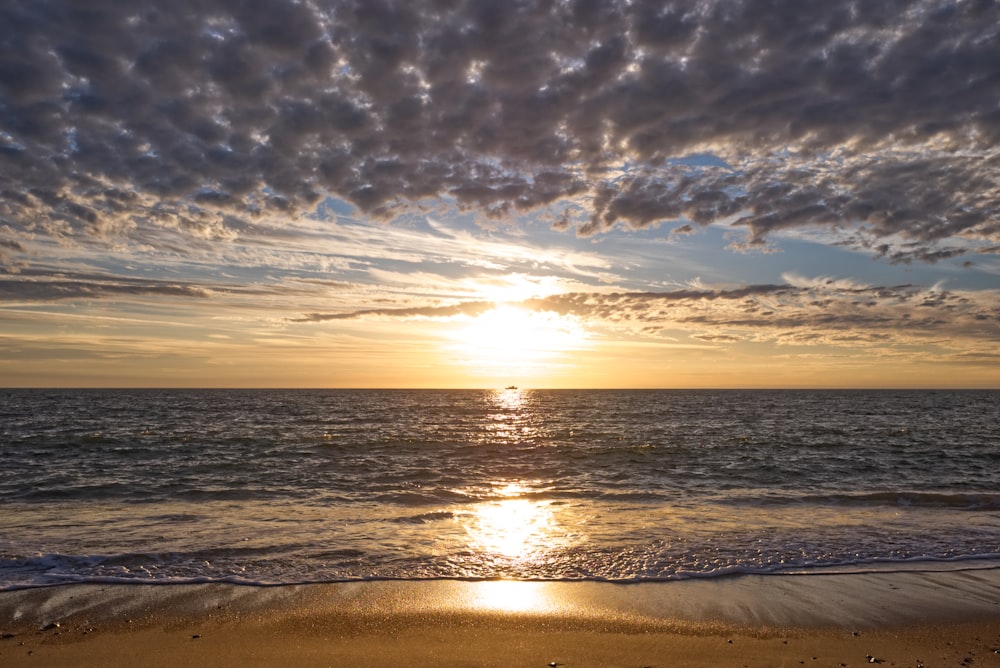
[(512, 340)]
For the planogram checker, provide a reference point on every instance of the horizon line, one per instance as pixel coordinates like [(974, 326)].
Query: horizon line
[(499, 388)]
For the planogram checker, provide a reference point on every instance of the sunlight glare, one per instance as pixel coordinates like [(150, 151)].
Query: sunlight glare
[(512, 527), (512, 596), (512, 340)]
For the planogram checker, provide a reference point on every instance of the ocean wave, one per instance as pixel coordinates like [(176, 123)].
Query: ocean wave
[(424, 518), (972, 501), (423, 498), (34, 579), (657, 562), (610, 486)]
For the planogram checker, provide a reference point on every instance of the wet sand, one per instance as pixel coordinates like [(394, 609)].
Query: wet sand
[(896, 619)]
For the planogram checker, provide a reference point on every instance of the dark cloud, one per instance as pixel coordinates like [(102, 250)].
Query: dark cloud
[(875, 120), (21, 289), (472, 308), (824, 309), (46, 285)]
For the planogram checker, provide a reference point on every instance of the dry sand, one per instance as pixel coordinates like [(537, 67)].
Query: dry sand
[(896, 619)]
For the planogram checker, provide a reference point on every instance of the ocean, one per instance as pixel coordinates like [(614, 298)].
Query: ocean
[(303, 486)]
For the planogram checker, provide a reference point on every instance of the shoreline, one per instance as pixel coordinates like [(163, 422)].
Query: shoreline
[(903, 618)]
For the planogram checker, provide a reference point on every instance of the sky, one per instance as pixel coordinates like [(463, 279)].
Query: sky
[(547, 193)]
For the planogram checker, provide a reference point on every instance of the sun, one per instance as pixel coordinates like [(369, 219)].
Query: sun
[(512, 340)]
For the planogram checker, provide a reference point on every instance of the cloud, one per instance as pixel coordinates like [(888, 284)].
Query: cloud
[(21, 289), (43, 285), (471, 308), (874, 120), (803, 311)]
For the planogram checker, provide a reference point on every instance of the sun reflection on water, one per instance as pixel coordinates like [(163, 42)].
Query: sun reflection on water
[(514, 528), (509, 399), (511, 418), (520, 532)]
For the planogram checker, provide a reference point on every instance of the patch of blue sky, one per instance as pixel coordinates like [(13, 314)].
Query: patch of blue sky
[(700, 160), (9, 144), (653, 257), (331, 208), (820, 249), (656, 256)]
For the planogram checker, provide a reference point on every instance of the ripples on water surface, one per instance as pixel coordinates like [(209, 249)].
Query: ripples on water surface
[(305, 486)]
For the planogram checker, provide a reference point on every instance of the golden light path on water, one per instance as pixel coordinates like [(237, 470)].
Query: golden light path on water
[(523, 532), (517, 530), (513, 528)]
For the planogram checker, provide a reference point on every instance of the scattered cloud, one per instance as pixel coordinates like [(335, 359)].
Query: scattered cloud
[(24, 288), (874, 120), (465, 308), (819, 310)]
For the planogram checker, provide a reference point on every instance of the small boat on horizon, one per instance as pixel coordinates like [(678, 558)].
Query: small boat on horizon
[(511, 387)]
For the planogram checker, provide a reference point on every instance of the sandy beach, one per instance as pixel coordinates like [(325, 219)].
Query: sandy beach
[(920, 618)]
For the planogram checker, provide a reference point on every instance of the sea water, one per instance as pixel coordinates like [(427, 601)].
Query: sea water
[(279, 486)]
